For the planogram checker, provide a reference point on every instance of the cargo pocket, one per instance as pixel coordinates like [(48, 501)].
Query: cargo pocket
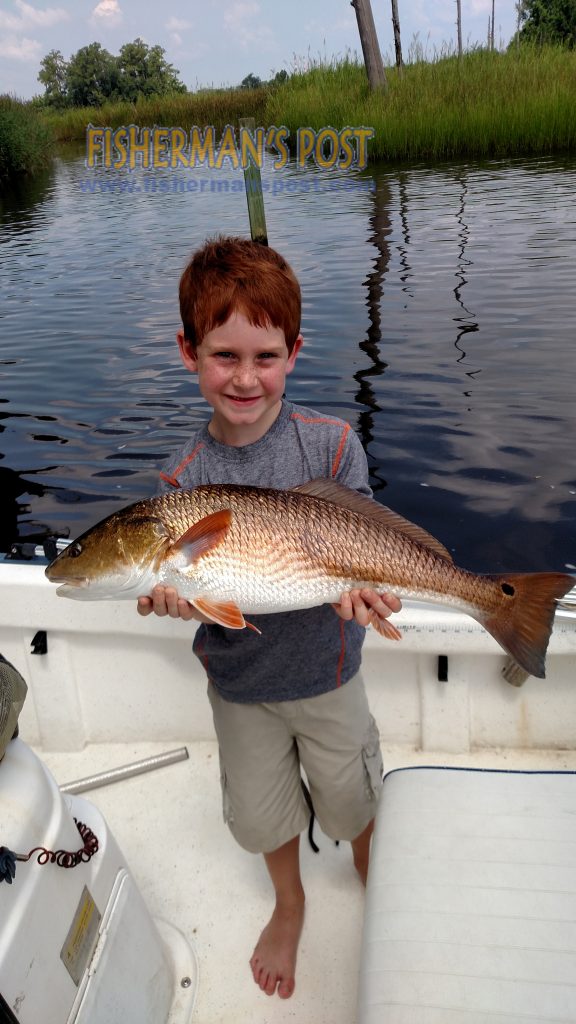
[(372, 761), (227, 812)]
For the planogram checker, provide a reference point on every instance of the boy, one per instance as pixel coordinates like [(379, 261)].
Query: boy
[(291, 696)]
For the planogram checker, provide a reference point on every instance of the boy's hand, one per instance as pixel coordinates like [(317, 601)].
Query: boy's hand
[(165, 601), (366, 606)]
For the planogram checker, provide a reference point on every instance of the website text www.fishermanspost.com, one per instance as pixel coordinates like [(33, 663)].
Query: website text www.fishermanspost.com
[(173, 184)]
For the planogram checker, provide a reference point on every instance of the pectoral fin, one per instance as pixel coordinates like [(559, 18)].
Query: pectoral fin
[(203, 536), (223, 613)]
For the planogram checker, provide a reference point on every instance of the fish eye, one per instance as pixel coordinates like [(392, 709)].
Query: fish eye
[(74, 549)]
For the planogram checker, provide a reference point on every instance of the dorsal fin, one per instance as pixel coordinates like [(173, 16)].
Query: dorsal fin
[(347, 498)]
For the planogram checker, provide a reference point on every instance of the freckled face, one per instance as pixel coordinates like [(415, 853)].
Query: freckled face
[(242, 374)]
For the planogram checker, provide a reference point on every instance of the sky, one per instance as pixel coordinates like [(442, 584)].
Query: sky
[(220, 42)]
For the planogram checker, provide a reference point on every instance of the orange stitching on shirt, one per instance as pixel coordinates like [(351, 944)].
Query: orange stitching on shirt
[(326, 419), (342, 654), (173, 479), (338, 455), (203, 656), (170, 480), (313, 419)]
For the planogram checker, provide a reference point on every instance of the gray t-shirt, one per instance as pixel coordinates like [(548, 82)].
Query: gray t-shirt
[(301, 653)]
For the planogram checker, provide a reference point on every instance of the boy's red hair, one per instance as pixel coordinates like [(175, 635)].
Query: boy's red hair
[(230, 275)]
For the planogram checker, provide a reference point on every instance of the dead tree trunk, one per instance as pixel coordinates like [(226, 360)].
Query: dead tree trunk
[(492, 28), (397, 41), (459, 25), (369, 41)]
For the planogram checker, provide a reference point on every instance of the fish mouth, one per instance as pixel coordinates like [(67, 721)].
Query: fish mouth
[(68, 584), (86, 589)]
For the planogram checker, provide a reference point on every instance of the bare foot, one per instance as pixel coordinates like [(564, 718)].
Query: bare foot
[(273, 961), (361, 865), (361, 851)]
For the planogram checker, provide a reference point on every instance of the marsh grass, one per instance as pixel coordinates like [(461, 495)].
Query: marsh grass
[(487, 104), (25, 140), (216, 107)]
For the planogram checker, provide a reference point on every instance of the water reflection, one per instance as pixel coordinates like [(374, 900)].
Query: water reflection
[(467, 322), (404, 243), (22, 199), (13, 486), (380, 229), (495, 452)]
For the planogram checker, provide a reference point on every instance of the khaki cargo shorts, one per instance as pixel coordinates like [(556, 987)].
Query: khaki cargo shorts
[(263, 747)]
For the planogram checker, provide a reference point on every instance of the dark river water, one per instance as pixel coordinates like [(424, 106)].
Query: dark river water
[(438, 320)]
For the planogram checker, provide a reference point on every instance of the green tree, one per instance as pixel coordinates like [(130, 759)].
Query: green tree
[(144, 71), (92, 77), (251, 82), (163, 76), (548, 21), (52, 75)]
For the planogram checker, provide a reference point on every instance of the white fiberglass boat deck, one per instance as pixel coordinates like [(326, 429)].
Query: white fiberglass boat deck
[(113, 688)]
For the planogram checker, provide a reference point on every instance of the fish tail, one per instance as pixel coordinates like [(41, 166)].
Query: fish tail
[(524, 625)]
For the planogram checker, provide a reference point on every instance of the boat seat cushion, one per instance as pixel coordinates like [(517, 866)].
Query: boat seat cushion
[(470, 913)]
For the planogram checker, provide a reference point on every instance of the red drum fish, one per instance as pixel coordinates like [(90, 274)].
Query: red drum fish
[(233, 551)]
